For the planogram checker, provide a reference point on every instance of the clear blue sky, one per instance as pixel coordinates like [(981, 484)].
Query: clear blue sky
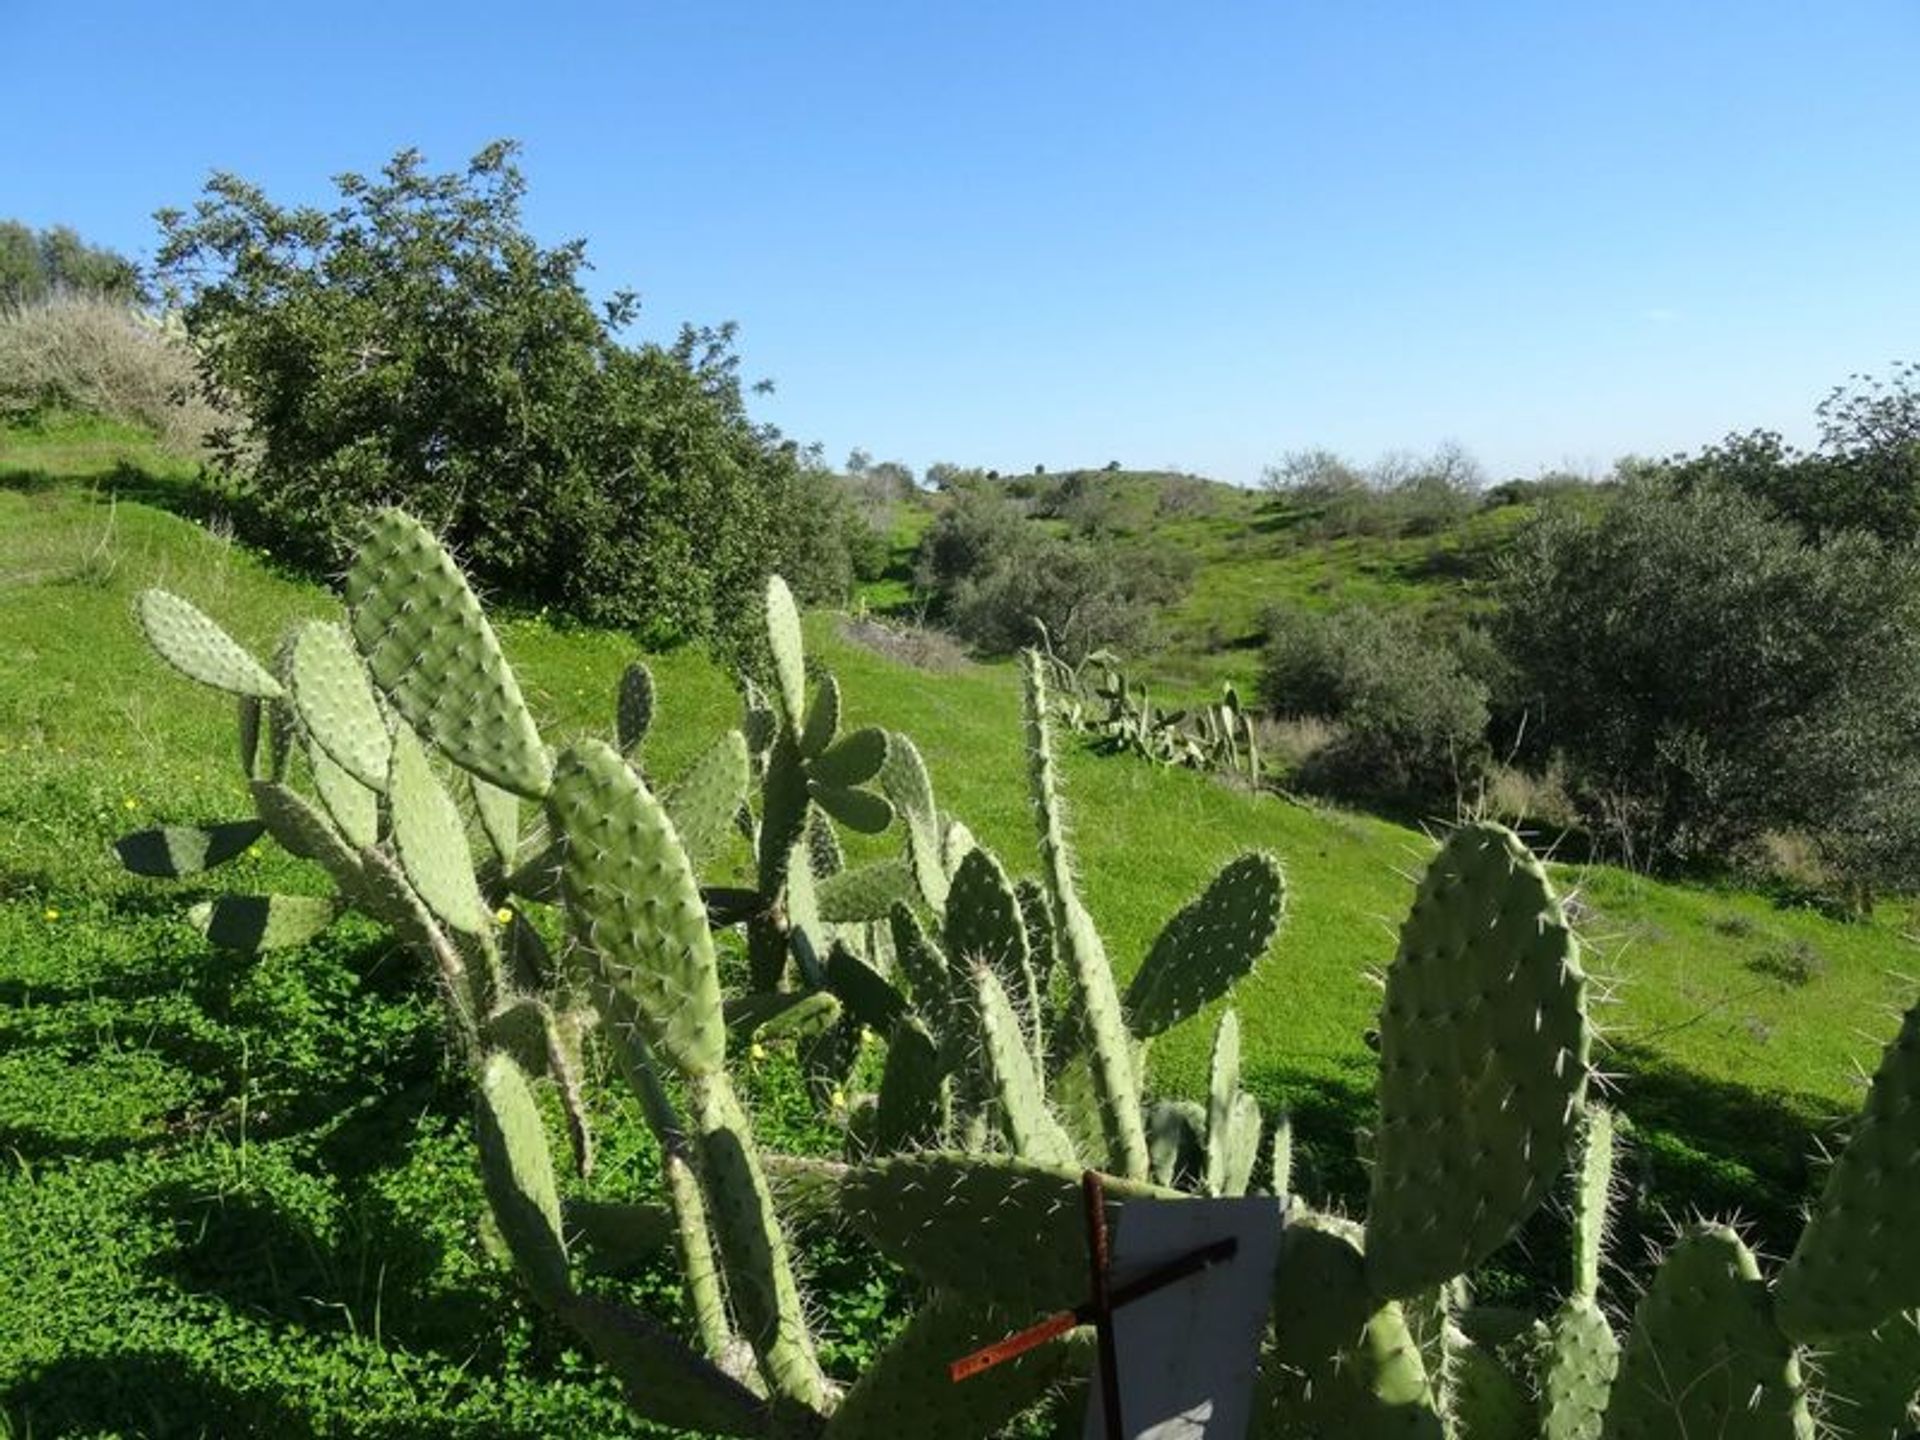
[(1010, 234)]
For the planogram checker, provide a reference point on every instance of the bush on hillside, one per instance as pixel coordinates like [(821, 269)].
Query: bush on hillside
[(990, 574), (414, 345), (1400, 494), (38, 264), (1710, 674), (99, 356), (1412, 723)]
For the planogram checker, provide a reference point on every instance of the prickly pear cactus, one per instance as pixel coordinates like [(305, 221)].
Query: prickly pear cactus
[(1483, 1062), (1858, 1260), (1705, 1357)]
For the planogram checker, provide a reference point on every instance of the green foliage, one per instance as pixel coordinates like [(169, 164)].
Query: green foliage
[(1412, 722), (1709, 675), (414, 344), (38, 264), (1001, 584)]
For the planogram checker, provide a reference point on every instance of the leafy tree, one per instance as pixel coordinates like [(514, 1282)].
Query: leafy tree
[(1864, 475), (1710, 674), (414, 345)]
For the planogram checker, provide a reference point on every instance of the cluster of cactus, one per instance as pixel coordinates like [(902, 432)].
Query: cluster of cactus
[(399, 754), (1096, 698)]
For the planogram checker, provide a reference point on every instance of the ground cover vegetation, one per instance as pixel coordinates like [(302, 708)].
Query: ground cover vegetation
[(226, 1116)]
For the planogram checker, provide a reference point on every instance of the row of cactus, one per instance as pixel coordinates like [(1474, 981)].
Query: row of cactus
[(1097, 698), (399, 754)]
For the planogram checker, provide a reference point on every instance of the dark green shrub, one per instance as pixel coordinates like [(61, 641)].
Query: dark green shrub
[(38, 264), (1710, 675), (414, 345), (1412, 722)]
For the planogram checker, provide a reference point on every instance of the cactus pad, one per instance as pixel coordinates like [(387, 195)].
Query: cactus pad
[(200, 649), (1704, 1357), (174, 851), (903, 776), (1870, 1384), (517, 1167), (867, 892), (1030, 1126), (633, 709), (431, 840), (432, 653), (1208, 946), (1343, 1364), (634, 903), (707, 795), (1858, 1260), (1483, 1053), (853, 760), (336, 705), (263, 922), (984, 1224), (789, 652), (1576, 1372), (823, 717)]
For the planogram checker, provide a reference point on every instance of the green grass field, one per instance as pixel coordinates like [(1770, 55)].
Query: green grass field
[(239, 1196)]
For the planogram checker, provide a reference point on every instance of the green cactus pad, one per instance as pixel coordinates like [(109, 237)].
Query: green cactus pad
[(430, 840), (781, 1015), (925, 967), (612, 1237), (1858, 1262), (911, 1114), (353, 808), (707, 795), (633, 902), (784, 808), (304, 831), (853, 760), (1280, 1161), (869, 996), (753, 1250), (665, 1381), (1241, 1145), (517, 1167), (263, 922), (860, 810), (1176, 1143), (633, 709), (1223, 1083), (867, 892), (1592, 1194), (1488, 1401), (430, 650), (907, 1391), (904, 779), (1030, 1127), (956, 844), (199, 649), (984, 924), (1704, 1356), (173, 851), (823, 717), (825, 858), (1039, 923), (789, 652), (1343, 1364), (1109, 1053), (1576, 1372), (499, 814), (1483, 1053), (984, 1224), (542, 1042), (336, 705), (1870, 1384), (1208, 946)]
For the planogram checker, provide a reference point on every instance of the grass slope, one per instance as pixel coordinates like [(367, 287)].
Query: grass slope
[(239, 1196)]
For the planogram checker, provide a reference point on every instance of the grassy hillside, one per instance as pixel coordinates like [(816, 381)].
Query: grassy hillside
[(1251, 550), (240, 1195)]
